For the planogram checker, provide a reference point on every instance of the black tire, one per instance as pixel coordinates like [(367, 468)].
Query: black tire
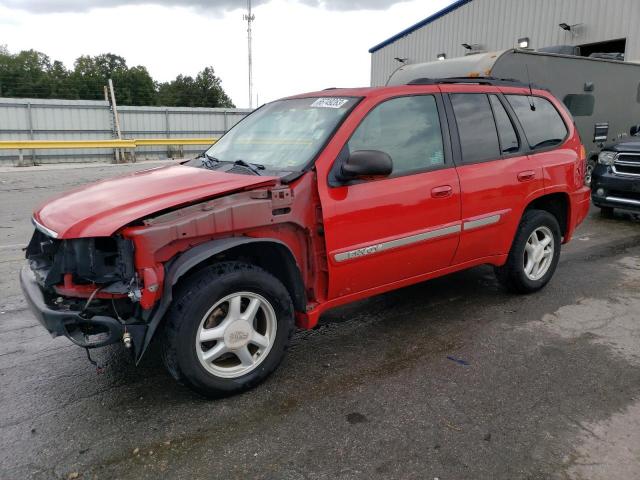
[(606, 212), (195, 296), (512, 274)]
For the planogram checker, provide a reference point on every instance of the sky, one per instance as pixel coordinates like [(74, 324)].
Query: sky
[(299, 45)]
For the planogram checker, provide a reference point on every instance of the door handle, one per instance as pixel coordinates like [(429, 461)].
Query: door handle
[(442, 191), (526, 176)]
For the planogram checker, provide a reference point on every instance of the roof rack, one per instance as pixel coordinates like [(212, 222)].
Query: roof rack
[(510, 82)]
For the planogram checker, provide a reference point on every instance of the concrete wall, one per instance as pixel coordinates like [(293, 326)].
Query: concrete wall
[(37, 119), (497, 25)]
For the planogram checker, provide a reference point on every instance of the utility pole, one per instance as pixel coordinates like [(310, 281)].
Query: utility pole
[(249, 17)]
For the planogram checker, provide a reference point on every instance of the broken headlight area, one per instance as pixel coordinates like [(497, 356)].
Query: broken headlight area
[(103, 261), (95, 275), (85, 289)]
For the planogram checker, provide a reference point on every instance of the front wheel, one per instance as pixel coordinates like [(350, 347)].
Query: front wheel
[(534, 253), (228, 329)]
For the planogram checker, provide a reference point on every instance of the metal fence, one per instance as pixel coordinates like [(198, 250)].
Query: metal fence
[(38, 119)]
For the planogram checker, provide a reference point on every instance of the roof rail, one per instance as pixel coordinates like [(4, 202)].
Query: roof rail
[(474, 80)]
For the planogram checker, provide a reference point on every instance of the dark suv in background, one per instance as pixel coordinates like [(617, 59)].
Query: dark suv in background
[(616, 178)]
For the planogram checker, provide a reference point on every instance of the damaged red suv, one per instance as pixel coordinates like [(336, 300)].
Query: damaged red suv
[(309, 203)]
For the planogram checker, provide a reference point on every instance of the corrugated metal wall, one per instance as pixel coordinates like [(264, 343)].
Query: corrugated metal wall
[(38, 119), (497, 25)]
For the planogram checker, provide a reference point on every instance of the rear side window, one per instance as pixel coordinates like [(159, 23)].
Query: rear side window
[(580, 104), (542, 125), (509, 142), (406, 128), (477, 130)]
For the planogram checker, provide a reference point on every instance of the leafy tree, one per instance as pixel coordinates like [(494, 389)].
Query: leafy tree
[(203, 91), (32, 74), (25, 74), (134, 86)]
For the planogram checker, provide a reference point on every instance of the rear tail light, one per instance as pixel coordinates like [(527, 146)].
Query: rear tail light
[(582, 162)]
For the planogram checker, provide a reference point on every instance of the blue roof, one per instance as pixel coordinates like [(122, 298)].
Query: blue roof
[(454, 6)]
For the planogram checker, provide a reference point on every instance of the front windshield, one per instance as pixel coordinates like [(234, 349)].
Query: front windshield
[(284, 135)]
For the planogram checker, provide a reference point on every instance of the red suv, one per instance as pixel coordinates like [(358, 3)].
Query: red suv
[(309, 203)]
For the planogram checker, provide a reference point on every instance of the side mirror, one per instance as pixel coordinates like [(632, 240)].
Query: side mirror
[(366, 164), (635, 130)]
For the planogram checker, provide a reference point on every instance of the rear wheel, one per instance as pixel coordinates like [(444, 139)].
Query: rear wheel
[(228, 329), (534, 253)]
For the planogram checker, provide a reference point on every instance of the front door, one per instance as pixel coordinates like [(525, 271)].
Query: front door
[(383, 231)]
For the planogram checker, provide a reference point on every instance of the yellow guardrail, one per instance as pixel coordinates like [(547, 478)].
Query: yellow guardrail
[(79, 144)]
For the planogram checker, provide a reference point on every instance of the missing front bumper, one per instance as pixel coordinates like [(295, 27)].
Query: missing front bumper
[(87, 332)]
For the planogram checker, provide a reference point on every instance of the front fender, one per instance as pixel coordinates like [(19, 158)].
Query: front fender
[(179, 266)]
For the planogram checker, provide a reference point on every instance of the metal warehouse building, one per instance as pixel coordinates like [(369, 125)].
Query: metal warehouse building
[(486, 25)]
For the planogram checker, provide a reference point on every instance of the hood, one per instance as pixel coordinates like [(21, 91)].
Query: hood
[(624, 146), (99, 209)]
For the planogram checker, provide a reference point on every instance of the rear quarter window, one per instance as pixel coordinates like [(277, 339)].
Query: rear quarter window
[(543, 126)]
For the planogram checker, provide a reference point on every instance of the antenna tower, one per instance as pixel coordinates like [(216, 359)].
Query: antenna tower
[(249, 18)]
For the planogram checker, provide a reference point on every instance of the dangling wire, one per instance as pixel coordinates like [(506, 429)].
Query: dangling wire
[(99, 369), (91, 297)]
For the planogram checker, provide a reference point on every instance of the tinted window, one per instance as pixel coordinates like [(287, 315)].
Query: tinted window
[(543, 126), (580, 105), (509, 142), (406, 128), (478, 136)]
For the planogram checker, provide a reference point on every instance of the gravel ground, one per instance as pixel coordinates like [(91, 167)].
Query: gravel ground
[(449, 379)]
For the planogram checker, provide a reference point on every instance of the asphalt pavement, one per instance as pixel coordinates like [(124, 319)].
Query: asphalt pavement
[(449, 379)]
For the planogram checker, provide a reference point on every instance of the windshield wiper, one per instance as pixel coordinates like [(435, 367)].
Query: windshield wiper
[(208, 161), (254, 167)]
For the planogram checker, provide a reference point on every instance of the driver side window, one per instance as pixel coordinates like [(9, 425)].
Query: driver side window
[(407, 129)]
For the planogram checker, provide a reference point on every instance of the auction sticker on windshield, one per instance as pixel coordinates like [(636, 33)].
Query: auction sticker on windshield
[(329, 102)]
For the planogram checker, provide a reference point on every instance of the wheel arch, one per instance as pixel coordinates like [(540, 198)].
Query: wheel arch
[(270, 254), (557, 204)]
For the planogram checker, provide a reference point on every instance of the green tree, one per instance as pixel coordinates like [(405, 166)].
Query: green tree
[(25, 74), (32, 74), (210, 90), (203, 91), (134, 86)]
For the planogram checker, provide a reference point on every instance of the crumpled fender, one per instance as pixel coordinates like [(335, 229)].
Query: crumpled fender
[(184, 263)]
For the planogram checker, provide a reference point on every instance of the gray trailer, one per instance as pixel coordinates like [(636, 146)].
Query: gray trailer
[(603, 95)]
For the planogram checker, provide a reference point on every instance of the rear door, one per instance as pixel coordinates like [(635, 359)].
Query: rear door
[(384, 231), (546, 132), (497, 179)]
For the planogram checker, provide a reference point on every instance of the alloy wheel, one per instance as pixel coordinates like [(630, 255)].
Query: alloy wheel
[(538, 253), (236, 334)]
